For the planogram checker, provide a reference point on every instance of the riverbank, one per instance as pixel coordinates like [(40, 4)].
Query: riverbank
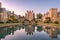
[(43, 24), (8, 24), (49, 24)]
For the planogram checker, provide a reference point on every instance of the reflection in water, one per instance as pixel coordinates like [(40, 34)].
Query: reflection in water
[(30, 30), (7, 31), (39, 28), (53, 33)]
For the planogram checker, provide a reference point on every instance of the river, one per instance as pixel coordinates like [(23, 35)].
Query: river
[(29, 32)]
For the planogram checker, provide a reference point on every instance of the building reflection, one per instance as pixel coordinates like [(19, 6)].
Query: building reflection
[(53, 33), (7, 31), (29, 29)]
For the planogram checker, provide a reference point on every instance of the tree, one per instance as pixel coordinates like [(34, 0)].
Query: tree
[(12, 19), (48, 20), (56, 22), (39, 16)]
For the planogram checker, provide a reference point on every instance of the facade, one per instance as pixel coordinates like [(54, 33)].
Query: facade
[(45, 15), (12, 14), (0, 4), (30, 15), (3, 14), (8, 12), (21, 18), (53, 14)]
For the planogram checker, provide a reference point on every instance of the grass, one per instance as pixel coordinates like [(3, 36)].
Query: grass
[(49, 24), (40, 23), (7, 24), (52, 24)]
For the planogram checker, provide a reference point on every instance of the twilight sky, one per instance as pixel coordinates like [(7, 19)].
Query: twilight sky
[(21, 6)]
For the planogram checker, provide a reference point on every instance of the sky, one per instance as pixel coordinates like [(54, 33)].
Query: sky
[(38, 6)]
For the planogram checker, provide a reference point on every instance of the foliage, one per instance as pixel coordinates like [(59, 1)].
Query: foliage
[(12, 19), (1, 22), (9, 21), (56, 22), (36, 21), (48, 20), (16, 21), (39, 16)]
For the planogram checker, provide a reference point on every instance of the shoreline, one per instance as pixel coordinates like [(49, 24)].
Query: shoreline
[(48, 24), (9, 24), (39, 24)]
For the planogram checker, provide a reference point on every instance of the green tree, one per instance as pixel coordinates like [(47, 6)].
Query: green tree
[(11, 19), (56, 22), (39, 16), (48, 20)]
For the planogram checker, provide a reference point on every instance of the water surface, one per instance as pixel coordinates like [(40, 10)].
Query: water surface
[(29, 32)]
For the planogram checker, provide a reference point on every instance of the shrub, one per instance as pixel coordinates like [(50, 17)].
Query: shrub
[(35, 21), (1, 22), (56, 22), (47, 21), (7, 22)]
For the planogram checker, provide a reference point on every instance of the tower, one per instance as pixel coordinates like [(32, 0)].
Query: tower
[(0, 4), (53, 12), (30, 15)]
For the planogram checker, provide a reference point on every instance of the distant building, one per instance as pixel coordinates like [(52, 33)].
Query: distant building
[(0, 4), (3, 14), (45, 15), (8, 12), (21, 18), (29, 15), (12, 14), (53, 14)]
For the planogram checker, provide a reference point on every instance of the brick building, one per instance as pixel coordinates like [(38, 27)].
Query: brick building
[(29, 15), (3, 14), (53, 14)]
